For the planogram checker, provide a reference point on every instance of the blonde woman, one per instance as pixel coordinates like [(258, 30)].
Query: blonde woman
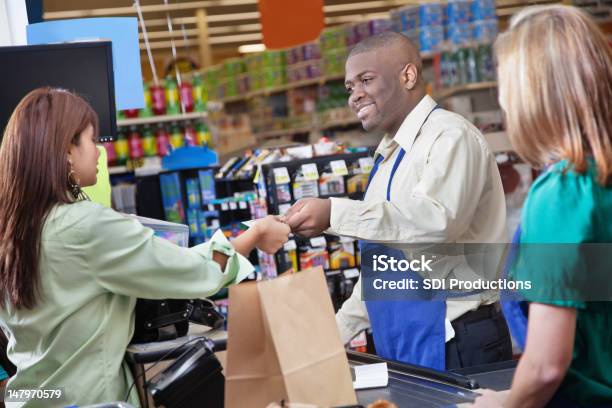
[(555, 87)]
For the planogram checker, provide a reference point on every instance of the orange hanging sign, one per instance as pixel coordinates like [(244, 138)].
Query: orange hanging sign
[(286, 23)]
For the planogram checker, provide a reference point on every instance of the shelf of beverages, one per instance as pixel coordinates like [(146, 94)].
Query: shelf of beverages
[(167, 102), (156, 139), (161, 119)]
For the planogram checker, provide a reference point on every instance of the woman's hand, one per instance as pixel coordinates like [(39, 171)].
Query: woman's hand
[(271, 233)]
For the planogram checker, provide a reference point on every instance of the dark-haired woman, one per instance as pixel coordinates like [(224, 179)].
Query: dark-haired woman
[(71, 270)]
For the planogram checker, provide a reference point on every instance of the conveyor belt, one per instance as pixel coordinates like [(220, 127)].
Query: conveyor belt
[(497, 376), (408, 391), (414, 386)]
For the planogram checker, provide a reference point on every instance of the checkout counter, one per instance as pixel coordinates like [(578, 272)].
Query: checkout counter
[(416, 386), (409, 385)]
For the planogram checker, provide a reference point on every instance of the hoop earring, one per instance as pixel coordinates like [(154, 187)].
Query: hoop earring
[(74, 184)]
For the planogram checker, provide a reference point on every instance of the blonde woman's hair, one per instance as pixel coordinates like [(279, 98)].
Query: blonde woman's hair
[(555, 86)]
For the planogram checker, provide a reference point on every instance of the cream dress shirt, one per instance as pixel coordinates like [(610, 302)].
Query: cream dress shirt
[(447, 189)]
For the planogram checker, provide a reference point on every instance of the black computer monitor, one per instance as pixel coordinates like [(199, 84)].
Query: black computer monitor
[(83, 67)]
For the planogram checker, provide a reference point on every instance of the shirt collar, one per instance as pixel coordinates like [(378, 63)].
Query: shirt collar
[(411, 125), (386, 147)]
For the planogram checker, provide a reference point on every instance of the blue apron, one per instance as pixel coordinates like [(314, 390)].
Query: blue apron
[(410, 331), (515, 311)]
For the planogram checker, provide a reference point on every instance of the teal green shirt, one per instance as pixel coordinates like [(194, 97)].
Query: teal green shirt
[(567, 208), (94, 263), (3, 374)]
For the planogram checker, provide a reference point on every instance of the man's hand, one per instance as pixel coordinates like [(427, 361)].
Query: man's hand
[(309, 217)]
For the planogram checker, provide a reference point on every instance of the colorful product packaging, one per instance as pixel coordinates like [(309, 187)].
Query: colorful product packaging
[(207, 185), (170, 185)]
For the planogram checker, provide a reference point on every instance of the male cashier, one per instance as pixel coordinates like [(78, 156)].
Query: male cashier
[(434, 181)]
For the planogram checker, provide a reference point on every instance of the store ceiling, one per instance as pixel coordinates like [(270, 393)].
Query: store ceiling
[(231, 23)]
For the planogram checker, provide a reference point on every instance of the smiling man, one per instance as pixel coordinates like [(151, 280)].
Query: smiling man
[(434, 181)]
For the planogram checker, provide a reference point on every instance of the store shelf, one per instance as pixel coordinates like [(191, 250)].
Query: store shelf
[(142, 167), (160, 119), (307, 82), (306, 129), (237, 98), (448, 92), (282, 132), (282, 88), (113, 170)]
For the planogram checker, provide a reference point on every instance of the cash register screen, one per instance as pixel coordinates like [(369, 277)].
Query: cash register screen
[(85, 68)]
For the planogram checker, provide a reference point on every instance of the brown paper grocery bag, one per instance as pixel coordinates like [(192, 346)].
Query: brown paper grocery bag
[(283, 344), (252, 373)]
